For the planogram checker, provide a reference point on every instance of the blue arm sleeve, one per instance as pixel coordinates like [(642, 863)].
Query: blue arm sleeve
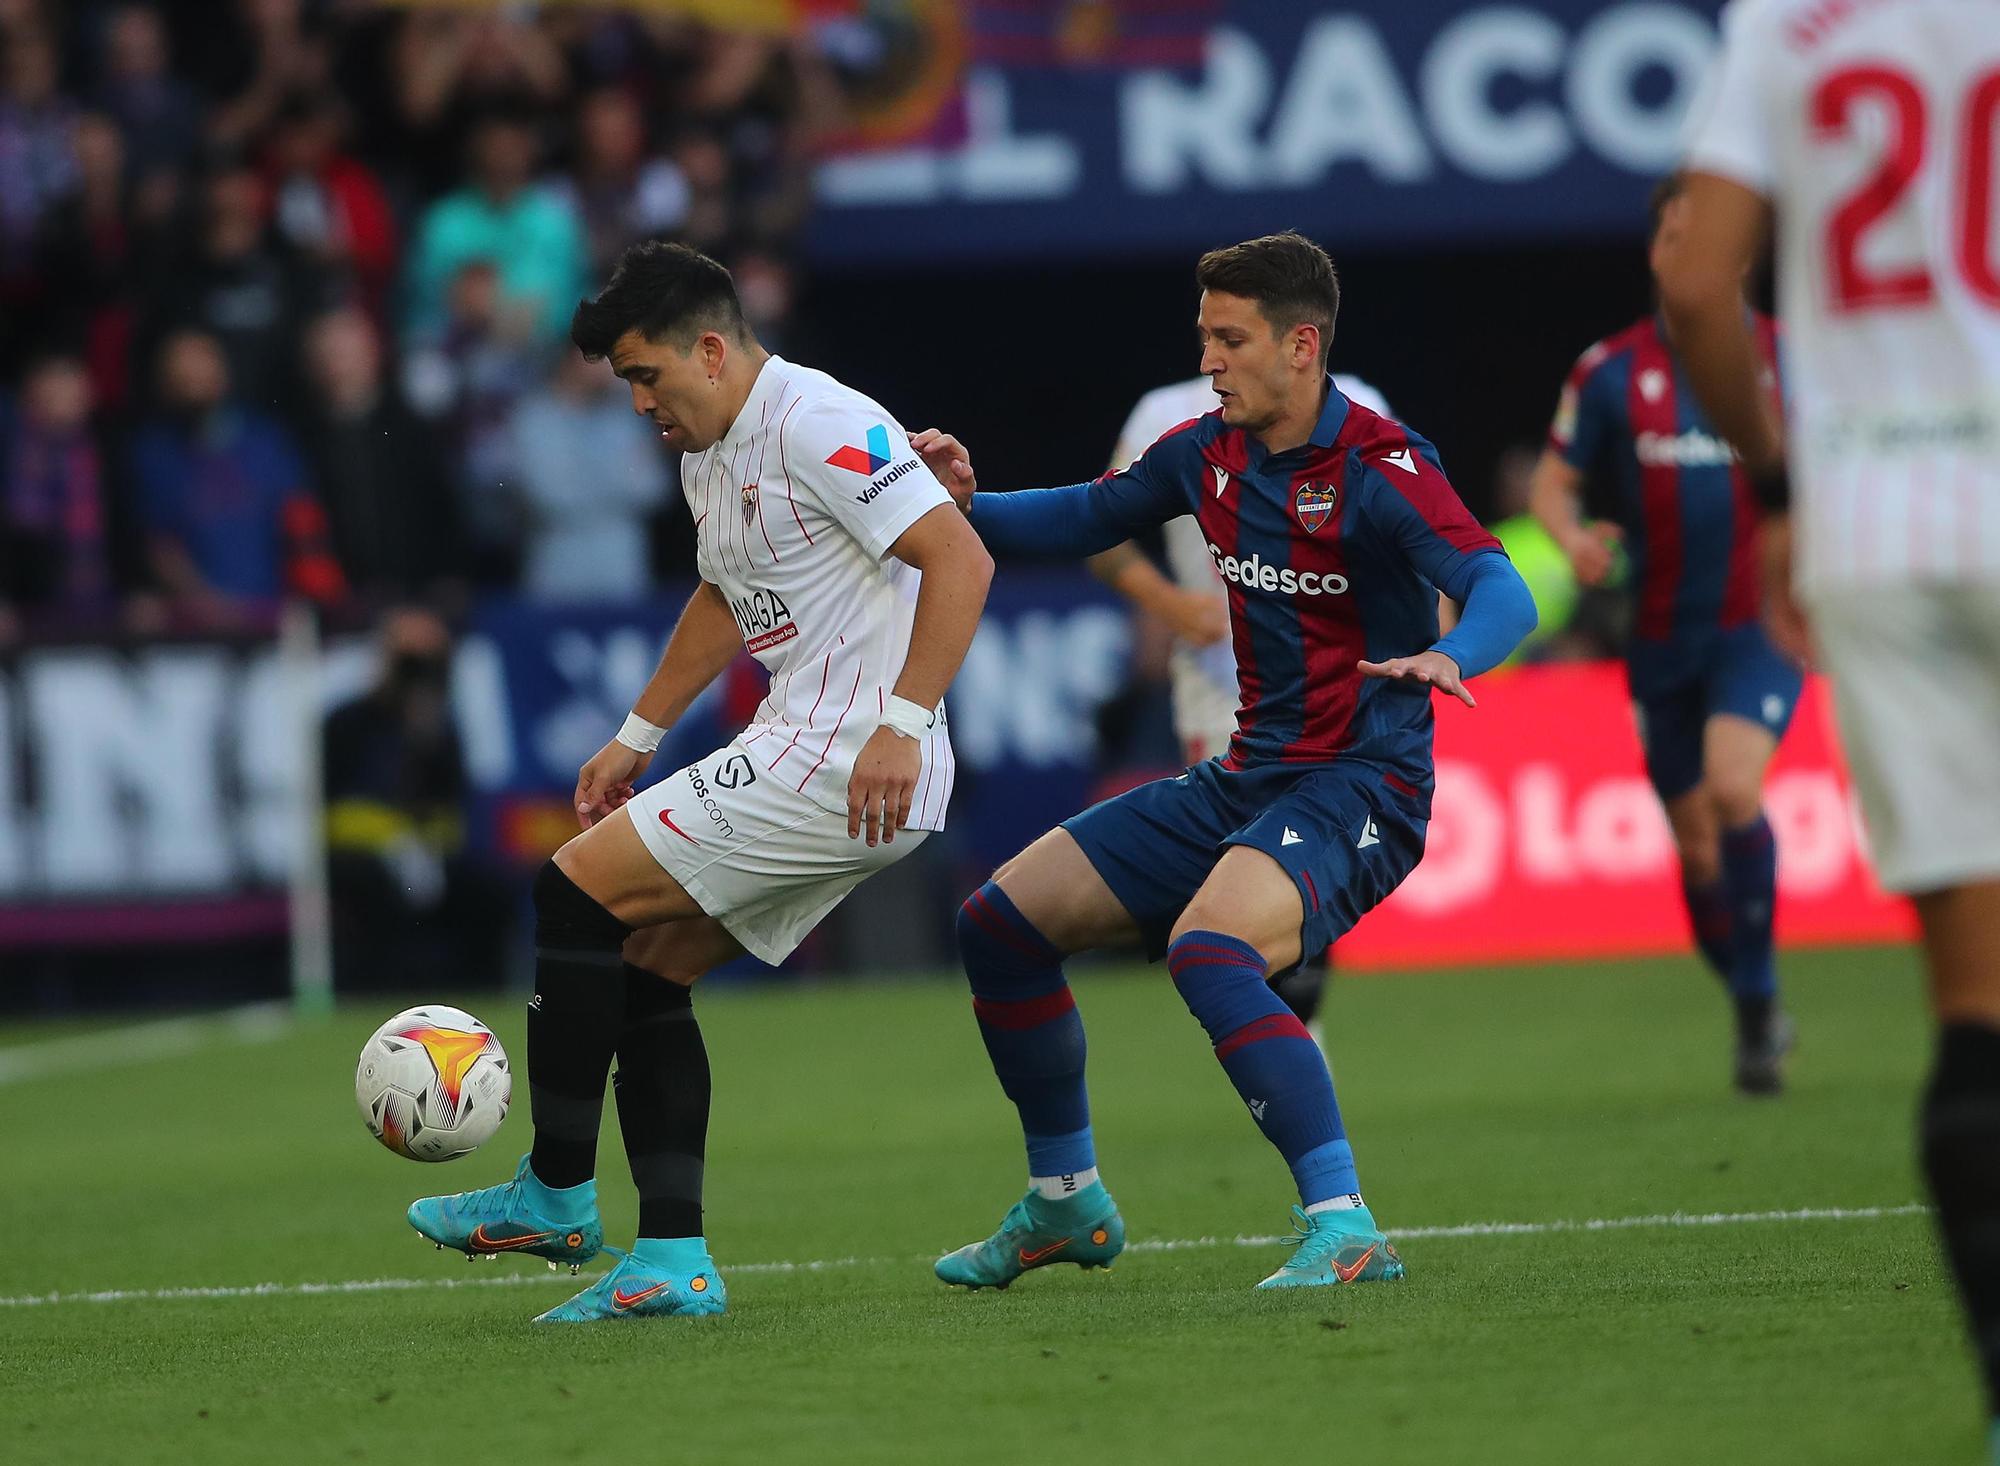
[(1499, 613), (1082, 519)]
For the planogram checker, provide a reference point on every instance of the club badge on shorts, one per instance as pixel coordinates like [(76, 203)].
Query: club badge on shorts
[(1315, 505), (749, 502)]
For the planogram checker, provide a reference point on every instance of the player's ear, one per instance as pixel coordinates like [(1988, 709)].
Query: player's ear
[(1305, 344)]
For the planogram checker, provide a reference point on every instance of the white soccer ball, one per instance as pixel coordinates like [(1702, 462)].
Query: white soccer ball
[(433, 1083)]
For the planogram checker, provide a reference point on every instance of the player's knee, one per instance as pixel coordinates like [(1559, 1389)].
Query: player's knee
[(569, 918), (995, 933), (1736, 797)]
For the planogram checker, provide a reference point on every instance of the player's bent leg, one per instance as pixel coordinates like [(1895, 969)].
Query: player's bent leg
[(1034, 1036), (549, 1209), (1961, 1110), (1246, 920), (1737, 752)]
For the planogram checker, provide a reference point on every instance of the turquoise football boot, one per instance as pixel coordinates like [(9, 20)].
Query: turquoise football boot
[(1084, 1229), (1333, 1247), (516, 1216), (635, 1289)]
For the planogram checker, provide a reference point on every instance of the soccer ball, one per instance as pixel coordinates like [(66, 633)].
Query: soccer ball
[(433, 1083)]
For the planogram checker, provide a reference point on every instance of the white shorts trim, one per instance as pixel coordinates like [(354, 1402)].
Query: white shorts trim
[(759, 857), (1916, 675)]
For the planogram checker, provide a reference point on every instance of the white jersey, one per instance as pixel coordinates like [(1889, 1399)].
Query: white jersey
[(1873, 127), (1204, 677), (794, 510)]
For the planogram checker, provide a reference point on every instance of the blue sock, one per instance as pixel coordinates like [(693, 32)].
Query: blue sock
[(672, 1254), (1033, 1033), (1709, 915), (1269, 1057), (560, 1203), (1750, 875)]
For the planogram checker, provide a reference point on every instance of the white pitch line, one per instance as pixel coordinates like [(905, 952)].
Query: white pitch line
[(1181, 1244), (141, 1043)]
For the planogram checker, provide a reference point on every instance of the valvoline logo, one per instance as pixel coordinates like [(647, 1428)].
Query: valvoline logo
[(865, 461)]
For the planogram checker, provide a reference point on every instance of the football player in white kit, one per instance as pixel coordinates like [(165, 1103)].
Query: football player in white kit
[(1194, 606), (827, 549), (1868, 132)]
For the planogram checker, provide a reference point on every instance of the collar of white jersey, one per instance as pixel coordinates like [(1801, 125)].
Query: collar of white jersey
[(763, 398)]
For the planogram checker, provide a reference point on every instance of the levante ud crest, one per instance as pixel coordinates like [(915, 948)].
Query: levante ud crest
[(1315, 505)]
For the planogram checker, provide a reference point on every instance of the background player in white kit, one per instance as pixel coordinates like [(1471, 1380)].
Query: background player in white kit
[(1869, 132), (828, 550), (1194, 606)]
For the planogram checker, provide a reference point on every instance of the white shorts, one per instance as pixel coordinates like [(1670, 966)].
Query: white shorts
[(1204, 714), (1916, 676), (760, 858)]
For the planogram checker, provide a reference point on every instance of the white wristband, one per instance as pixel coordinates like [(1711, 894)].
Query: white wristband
[(639, 735), (908, 719)]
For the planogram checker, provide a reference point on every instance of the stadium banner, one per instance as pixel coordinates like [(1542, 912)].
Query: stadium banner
[(149, 791), (1004, 131), (1546, 839)]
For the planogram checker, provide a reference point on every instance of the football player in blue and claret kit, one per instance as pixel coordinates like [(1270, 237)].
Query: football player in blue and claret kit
[(1334, 529), (1711, 693)]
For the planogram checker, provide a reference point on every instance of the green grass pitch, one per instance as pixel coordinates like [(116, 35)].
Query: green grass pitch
[(860, 1126)]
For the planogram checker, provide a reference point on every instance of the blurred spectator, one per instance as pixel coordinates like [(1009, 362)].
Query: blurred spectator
[(704, 164), (37, 157), (466, 380), (765, 284), (530, 235), (268, 54), (589, 473), (387, 496), (326, 206), (84, 261), (409, 900), (621, 195), (231, 286), (451, 67), (55, 538), (222, 495), (156, 112)]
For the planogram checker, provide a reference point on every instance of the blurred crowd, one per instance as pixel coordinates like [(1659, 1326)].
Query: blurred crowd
[(285, 285)]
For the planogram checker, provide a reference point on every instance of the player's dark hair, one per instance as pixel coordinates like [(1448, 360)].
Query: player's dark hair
[(665, 292), (1664, 192), (1291, 279)]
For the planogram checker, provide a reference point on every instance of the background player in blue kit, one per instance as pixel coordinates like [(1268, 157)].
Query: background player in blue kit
[(1334, 529), (1712, 694)]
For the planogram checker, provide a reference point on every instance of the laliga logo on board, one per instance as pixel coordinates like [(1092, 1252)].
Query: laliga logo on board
[(1315, 505)]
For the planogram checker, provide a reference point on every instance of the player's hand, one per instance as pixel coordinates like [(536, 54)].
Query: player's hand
[(1435, 669), (1197, 617), (1593, 551), (605, 783), (882, 785), (1784, 618), (949, 464)]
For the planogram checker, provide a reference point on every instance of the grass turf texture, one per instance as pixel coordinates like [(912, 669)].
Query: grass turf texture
[(863, 1122)]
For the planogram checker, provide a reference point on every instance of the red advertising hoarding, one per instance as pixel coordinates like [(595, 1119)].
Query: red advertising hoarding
[(1546, 839)]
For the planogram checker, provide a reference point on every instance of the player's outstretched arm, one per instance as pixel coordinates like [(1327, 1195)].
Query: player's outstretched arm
[(705, 640), (1499, 613), (1068, 523), (957, 570)]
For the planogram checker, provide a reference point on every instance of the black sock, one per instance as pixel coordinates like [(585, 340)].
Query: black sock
[(662, 1088), (1961, 1152), (1302, 987), (573, 1025)]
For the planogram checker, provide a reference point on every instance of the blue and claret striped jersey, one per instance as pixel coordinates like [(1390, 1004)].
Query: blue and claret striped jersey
[(1629, 420), (1332, 552)]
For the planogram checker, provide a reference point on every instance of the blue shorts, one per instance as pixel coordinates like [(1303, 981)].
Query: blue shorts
[(1743, 674), (1344, 836)]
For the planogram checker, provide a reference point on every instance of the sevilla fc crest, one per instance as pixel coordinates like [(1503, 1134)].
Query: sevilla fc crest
[(749, 502), (1315, 505)]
